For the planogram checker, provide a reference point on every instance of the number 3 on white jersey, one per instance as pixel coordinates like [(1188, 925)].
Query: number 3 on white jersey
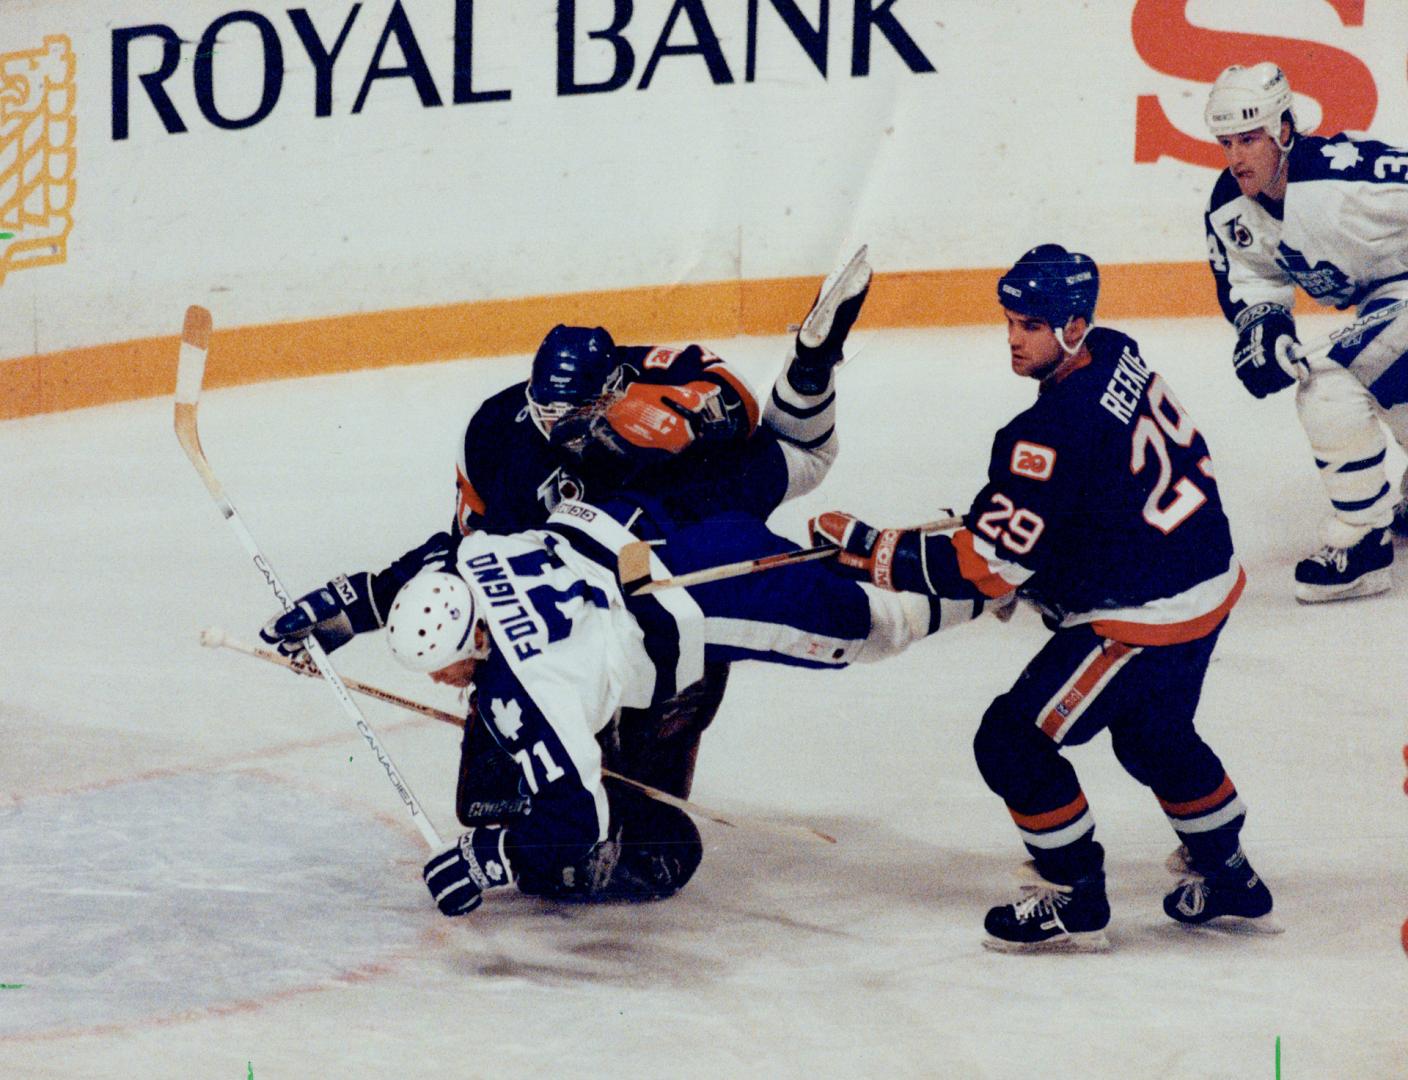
[(1149, 435)]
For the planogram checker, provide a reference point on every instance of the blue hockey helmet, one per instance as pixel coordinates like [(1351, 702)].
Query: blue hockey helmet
[(574, 366), (1053, 284)]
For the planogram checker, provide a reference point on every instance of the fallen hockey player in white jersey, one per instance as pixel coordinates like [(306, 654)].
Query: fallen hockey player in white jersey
[(1329, 215), (538, 624)]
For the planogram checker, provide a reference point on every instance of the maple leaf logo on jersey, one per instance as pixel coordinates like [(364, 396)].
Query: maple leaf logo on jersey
[(507, 717), (1342, 155)]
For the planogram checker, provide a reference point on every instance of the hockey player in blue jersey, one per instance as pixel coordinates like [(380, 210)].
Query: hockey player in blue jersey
[(594, 416), (1100, 508), (1331, 216)]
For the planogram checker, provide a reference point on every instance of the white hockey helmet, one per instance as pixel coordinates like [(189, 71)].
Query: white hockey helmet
[(431, 624), (1248, 99)]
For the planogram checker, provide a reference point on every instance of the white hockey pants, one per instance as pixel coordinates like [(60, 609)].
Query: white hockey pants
[(1345, 426)]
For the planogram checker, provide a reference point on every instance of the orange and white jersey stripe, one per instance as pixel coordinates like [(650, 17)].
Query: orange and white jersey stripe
[(1165, 620), (979, 563), (1170, 620)]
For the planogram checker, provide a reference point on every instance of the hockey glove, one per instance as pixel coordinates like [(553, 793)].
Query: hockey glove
[(647, 424), (458, 876), (333, 615), (866, 553), (655, 417), (1263, 361)]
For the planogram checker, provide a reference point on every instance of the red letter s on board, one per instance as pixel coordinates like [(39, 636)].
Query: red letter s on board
[(1168, 43)]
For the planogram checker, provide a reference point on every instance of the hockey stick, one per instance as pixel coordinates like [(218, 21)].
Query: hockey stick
[(190, 375), (633, 563), (213, 638), (1301, 355)]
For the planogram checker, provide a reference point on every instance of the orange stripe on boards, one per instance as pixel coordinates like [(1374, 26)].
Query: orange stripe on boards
[(102, 374), (1052, 819)]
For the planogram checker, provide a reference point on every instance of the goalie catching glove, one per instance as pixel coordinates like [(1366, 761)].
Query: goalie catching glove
[(1264, 361)]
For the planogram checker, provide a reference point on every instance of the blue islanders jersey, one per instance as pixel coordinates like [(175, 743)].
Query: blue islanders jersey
[(1341, 233), (1101, 507), (510, 478)]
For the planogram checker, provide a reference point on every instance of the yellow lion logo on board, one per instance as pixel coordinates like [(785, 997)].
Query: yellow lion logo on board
[(37, 91)]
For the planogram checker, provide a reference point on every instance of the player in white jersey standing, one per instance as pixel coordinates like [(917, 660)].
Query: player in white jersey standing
[(1329, 215)]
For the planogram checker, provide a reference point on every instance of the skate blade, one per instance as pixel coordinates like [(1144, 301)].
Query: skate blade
[(1376, 581), (1241, 924), (1089, 941), (817, 324)]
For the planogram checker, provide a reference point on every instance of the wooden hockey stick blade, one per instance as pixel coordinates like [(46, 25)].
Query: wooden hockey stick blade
[(634, 560), (214, 638), (190, 377), (633, 565)]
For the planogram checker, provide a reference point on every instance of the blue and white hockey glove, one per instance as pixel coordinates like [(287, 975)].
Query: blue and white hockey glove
[(458, 876), (1265, 335), (333, 615)]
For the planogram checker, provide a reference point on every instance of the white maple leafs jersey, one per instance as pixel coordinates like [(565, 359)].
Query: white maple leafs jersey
[(566, 655), (1341, 232)]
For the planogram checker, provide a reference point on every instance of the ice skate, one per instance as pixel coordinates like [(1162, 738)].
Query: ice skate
[(823, 332), (1341, 573), (1229, 897), (1051, 917), (1400, 518)]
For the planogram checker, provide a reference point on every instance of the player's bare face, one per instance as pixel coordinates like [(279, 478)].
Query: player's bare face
[(459, 674), (1254, 160), (1035, 352)]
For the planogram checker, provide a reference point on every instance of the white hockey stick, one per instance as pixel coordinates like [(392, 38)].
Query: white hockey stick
[(190, 375), (213, 638), (633, 563), (1301, 355)]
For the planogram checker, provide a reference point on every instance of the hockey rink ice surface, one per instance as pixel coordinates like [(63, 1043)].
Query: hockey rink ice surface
[(206, 874)]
